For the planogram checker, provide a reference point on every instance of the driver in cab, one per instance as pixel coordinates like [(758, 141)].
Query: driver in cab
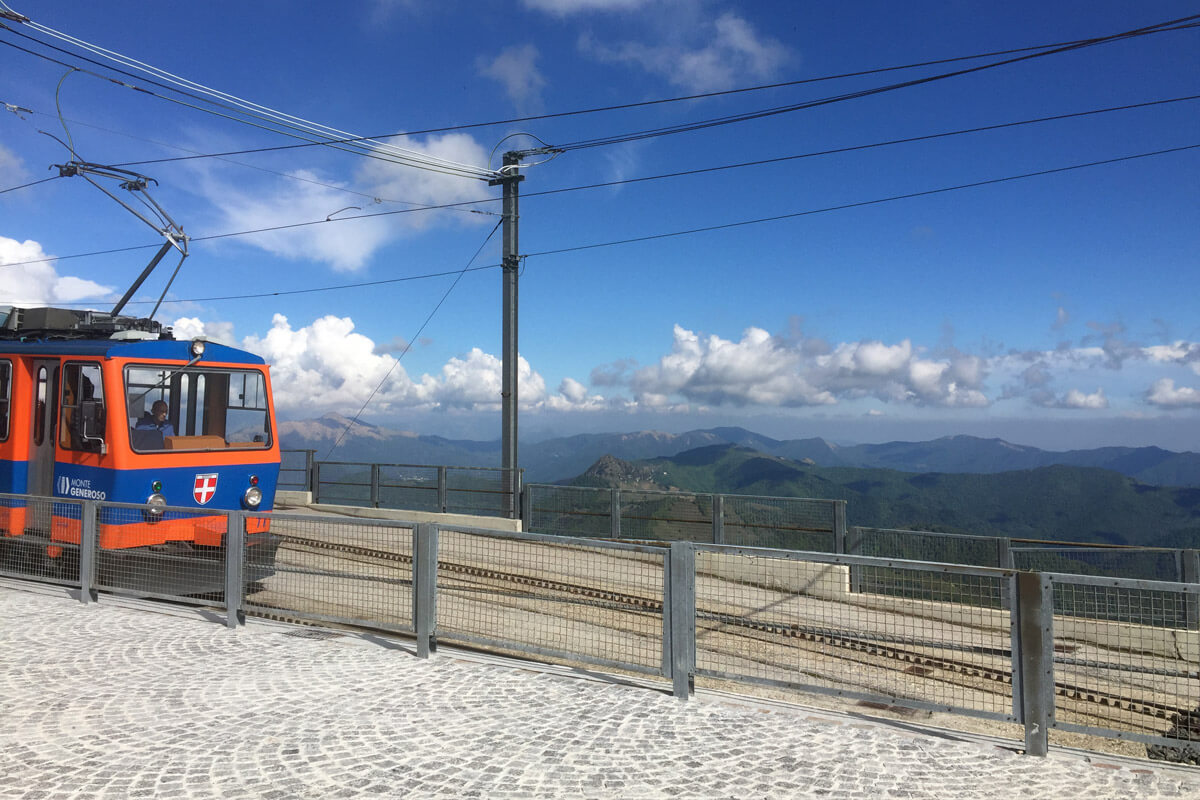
[(156, 420)]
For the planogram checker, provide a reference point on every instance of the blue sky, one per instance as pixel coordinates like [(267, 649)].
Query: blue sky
[(1057, 310)]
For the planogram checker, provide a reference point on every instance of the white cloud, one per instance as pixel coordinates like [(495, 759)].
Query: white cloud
[(474, 382), (764, 370), (186, 328), (895, 373), (1165, 394), (562, 8), (573, 396), (1077, 399), (12, 169), (758, 370), (421, 187), (730, 52), (328, 366), (1179, 352), (39, 283), (344, 243), (515, 68)]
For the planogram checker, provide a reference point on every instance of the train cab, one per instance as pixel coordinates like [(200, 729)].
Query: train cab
[(118, 415)]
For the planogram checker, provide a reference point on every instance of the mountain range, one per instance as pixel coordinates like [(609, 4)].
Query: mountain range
[(561, 459), (1058, 503)]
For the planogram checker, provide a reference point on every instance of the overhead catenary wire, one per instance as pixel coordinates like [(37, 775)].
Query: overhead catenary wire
[(627, 106), (27, 185), (787, 109), (408, 344), (374, 198), (314, 289), (723, 226), (858, 147), (642, 179), (285, 124), (863, 203)]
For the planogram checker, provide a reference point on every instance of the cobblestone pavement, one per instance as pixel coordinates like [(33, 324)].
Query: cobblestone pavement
[(126, 698)]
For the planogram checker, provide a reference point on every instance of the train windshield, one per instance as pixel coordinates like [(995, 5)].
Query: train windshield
[(196, 409)]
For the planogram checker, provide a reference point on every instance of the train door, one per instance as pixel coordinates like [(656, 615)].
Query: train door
[(41, 441)]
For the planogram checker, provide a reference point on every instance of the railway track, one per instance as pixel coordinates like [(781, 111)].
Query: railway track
[(886, 648)]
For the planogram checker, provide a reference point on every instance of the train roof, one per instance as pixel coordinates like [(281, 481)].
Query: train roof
[(170, 349)]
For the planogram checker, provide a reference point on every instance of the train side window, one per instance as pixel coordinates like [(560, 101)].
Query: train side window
[(39, 407), (82, 425), (5, 396)]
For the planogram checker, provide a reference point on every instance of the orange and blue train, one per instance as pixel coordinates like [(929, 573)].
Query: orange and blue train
[(116, 410)]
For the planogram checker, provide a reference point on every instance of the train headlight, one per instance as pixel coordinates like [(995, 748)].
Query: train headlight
[(252, 497), (155, 504), (198, 347)]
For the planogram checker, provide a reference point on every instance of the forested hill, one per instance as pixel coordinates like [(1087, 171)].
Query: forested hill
[(559, 459), (1080, 504)]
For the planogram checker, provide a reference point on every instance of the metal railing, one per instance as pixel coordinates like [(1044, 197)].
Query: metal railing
[(296, 469), (479, 491), (759, 521), (791, 522), (1103, 656)]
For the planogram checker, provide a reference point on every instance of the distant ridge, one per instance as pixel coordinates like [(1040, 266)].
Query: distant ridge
[(1061, 503), (564, 458)]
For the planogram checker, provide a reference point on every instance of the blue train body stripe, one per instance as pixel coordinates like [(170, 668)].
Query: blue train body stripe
[(14, 476), (179, 484)]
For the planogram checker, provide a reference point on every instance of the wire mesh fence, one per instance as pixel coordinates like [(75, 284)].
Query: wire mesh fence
[(791, 522), (569, 510), (174, 553), (413, 488), (1127, 662), (592, 602), (1143, 563), (479, 491), (790, 620), (666, 516), (1123, 660), (39, 538), (295, 470), (328, 569), (950, 548), (343, 483), (782, 522)]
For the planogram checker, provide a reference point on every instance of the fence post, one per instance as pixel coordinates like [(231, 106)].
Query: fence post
[(87, 551), (235, 548), (1033, 659), (526, 508), (680, 586), (718, 518), (1004, 554), (442, 501), (614, 513), (374, 486), (519, 489), (310, 461), (839, 525), (853, 546), (316, 482), (1189, 572), (424, 602)]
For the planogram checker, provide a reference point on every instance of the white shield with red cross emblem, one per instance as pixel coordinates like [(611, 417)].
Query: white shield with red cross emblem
[(205, 487)]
